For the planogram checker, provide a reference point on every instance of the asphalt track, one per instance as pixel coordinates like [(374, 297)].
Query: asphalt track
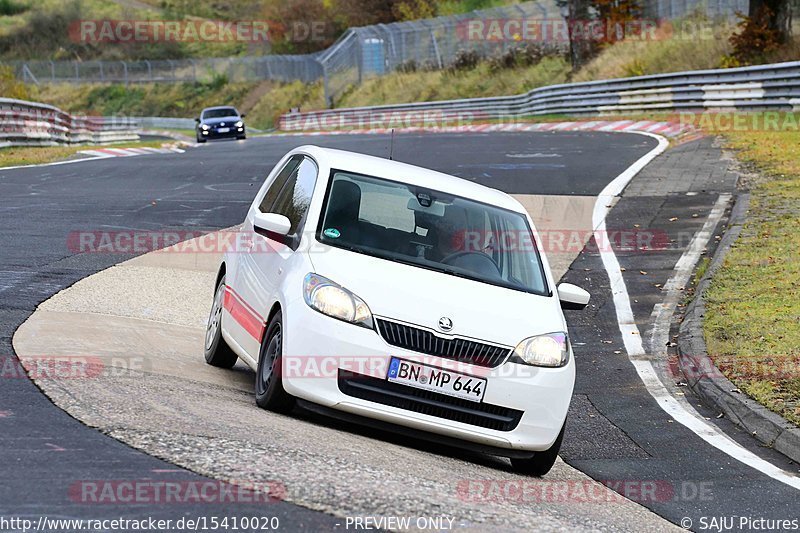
[(617, 432)]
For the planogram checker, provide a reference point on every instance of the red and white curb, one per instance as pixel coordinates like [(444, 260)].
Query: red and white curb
[(102, 153), (684, 132)]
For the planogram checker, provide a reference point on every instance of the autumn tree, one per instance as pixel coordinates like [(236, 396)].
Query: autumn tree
[(775, 14), (765, 28)]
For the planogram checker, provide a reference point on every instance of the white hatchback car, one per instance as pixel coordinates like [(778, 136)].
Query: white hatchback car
[(373, 288)]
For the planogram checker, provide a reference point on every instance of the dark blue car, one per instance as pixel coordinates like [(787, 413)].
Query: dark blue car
[(220, 122)]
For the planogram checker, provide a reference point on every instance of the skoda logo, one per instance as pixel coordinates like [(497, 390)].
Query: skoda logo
[(445, 324)]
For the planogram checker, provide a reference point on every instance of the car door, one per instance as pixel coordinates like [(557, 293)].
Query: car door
[(262, 265)]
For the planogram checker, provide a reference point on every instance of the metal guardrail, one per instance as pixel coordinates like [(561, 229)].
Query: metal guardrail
[(168, 123), (24, 123), (775, 86)]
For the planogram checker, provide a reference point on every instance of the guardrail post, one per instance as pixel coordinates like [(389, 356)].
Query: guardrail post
[(125, 71), (52, 71), (77, 73)]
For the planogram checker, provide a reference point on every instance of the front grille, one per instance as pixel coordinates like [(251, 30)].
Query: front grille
[(457, 349), (428, 403)]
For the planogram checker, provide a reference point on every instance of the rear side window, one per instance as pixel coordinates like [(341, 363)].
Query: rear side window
[(290, 195)]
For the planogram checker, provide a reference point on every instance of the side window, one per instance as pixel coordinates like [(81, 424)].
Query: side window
[(294, 198), (280, 181)]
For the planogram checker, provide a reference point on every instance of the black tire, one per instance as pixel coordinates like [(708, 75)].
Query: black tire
[(541, 463), (270, 393), (200, 140), (241, 137), (217, 351)]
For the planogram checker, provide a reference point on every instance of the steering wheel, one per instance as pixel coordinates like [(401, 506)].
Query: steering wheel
[(472, 263)]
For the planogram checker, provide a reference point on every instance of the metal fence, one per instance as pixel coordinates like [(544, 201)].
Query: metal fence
[(775, 86), (359, 53), (673, 9)]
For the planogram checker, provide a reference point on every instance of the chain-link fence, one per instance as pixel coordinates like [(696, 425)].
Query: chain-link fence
[(673, 9), (436, 43), (275, 67), (359, 53), (369, 51)]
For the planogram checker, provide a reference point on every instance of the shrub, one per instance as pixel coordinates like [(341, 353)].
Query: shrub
[(755, 38), (521, 56), (466, 60), (10, 86), (10, 7)]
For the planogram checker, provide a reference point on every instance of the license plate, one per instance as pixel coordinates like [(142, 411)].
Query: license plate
[(223, 130), (436, 380)]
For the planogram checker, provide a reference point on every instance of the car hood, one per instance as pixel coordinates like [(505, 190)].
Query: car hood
[(421, 296), (219, 120)]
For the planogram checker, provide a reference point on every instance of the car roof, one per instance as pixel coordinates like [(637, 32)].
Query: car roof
[(414, 175), (219, 107)]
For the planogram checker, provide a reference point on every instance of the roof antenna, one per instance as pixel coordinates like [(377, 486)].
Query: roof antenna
[(391, 147)]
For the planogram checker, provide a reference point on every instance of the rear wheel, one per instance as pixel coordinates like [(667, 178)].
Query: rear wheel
[(541, 463), (217, 351), (269, 383)]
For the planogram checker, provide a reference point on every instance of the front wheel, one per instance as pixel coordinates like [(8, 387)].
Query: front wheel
[(541, 463), (217, 351), (200, 139), (270, 394)]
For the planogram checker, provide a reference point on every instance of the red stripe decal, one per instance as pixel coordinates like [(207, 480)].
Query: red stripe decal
[(241, 313)]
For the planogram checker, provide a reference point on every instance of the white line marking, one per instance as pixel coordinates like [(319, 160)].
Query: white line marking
[(632, 338)]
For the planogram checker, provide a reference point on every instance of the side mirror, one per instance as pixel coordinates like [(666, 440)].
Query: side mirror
[(197, 120), (272, 225), (242, 115), (573, 297)]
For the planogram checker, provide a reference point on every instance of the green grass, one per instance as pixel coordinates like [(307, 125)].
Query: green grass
[(640, 58), (165, 99), (35, 155), (480, 81), (752, 321)]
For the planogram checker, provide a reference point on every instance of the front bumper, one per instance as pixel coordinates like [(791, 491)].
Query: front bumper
[(214, 134), (319, 351)]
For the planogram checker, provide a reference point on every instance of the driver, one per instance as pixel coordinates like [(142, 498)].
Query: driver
[(450, 232)]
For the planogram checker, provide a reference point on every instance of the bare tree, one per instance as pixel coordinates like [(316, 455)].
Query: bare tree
[(577, 15)]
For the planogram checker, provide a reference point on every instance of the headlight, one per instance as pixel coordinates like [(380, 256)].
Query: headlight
[(239, 124), (550, 350), (331, 299), (204, 126)]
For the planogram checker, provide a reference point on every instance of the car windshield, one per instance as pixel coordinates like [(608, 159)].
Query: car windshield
[(220, 113), (433, 230)]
